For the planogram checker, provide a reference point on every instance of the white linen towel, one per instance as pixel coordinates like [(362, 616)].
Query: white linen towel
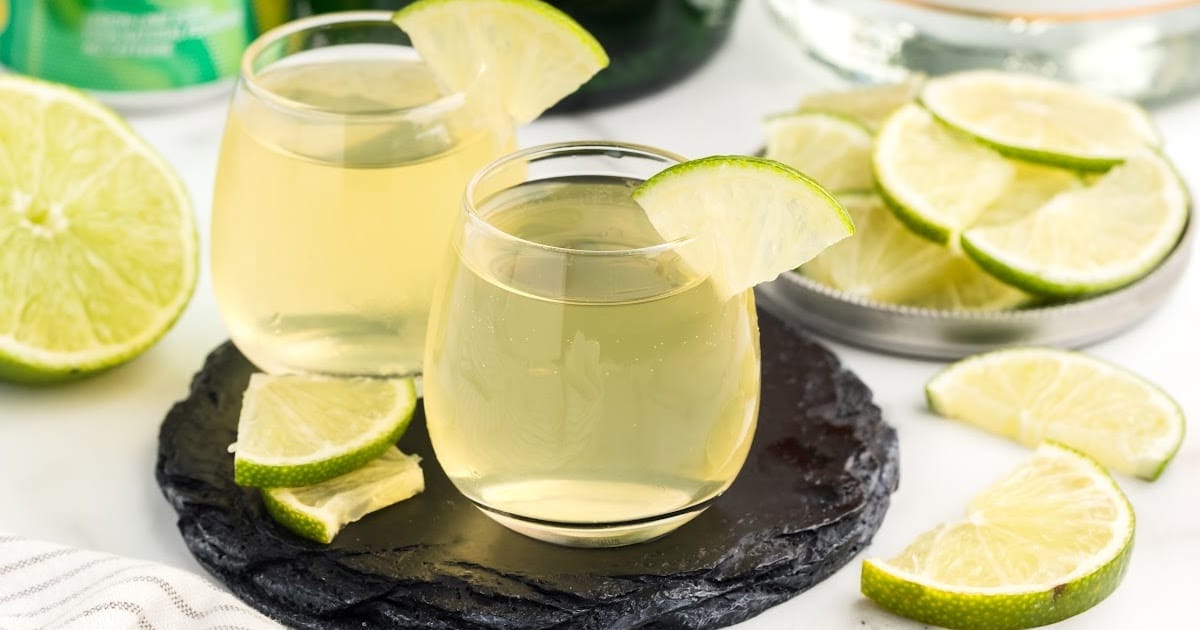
[(49, 586)]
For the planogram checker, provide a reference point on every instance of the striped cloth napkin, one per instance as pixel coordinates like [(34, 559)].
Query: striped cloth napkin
[(45, 585)]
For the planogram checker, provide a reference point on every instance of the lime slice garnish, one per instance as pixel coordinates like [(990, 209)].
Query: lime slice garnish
[(1031, 187), (297, 430), (937, 181), (528, 54), (885, 262), (1046, 542), (318, 512), (1091, 239), (832, 149), (752, 218), (1039, 119), (1035, 394), (869, 105), (97, 238)]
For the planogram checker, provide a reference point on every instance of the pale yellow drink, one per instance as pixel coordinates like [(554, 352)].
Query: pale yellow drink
[(581, 388), (340, 176)]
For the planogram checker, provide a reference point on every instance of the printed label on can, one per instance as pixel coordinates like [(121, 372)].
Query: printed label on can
[(127, 45)]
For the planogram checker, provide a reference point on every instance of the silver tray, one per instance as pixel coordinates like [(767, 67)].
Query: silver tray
[(943, 334)]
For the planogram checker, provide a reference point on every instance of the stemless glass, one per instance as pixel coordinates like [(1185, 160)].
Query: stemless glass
[(340, 171), (583, 384)]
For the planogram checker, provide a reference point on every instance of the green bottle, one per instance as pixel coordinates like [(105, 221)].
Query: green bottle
[(650, 43)]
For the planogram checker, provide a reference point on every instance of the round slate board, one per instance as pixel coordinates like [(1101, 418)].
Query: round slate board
[(812, 493)]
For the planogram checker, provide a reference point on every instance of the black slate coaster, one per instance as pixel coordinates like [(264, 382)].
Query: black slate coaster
[(811, 495)]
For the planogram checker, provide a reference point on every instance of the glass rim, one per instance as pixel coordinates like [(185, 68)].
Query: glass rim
[(250, 78), (565, 149)]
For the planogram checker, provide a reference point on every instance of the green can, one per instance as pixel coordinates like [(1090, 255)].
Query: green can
[(133, 52)]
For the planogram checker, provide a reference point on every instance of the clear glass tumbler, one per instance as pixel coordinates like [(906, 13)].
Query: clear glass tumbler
[(340, 173), (583, 384)]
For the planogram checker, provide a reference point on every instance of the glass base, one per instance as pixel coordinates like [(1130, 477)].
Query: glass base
[(1149, 57), (595, 535)]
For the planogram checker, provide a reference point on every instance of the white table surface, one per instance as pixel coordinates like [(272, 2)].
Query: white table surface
[(77, 461)]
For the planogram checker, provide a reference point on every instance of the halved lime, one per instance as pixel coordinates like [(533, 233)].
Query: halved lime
[(752, 218), (318, 512), (885, 262), (1046, 542), (528, 54), (1039, 119), (1035, 394), (869, 105), (296, 430), (1091, 239), (97, 238), (832, 149), (937, 181)]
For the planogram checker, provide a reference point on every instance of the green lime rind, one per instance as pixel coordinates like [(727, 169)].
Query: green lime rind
[(298, 522), (914, 221), (256, 475), (968, 610), (541, 8), (26, 364), (1047, 158)]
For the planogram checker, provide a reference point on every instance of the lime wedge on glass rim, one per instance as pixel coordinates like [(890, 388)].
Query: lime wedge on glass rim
[(528, 54), (752, 218), (295, 430), (1041, 120), (1046, 542), (885, 262), (319, 511), (830, 148), (1035, 394), (97, 238), (1091, 239)]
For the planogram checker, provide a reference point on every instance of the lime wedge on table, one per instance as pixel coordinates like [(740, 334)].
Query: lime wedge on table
[(885, 262), (97, 239), (869, 105), (832, 149), (1046, 542), (1034, 394), (752, 218), (320, 511), (1091, 239), (1039, 119), (528, 53), (937, 181), (297, 430)]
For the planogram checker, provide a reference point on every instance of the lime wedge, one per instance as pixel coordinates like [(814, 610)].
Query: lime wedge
[(751, 218), (97, 239), (937, 181), (297, 430), (1046, 542), (832, 149), (1040, 120), (869, 105), (318, 512), (527, 53), (1035, 394), (1091, 239), (885, 262)]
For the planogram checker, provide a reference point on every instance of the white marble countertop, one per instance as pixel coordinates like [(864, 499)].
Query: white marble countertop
[(77, 461)]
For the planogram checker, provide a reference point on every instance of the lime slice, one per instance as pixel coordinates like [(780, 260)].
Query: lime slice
[(97, 239), (885, 262), (297, 430), (1035, 394), (1040, 120), (528, 54), (937, 181), (1046, 542), (1091, 239), (318, 512), (752, 218), (832, 149), (870, 105), (1031, 187)]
